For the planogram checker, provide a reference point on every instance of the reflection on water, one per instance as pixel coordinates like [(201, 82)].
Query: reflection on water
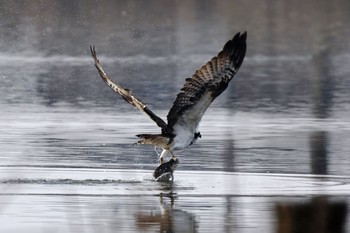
[(277, 137), (319, 152), (166, 217), (317, 215), (323, 86), (129, 200)]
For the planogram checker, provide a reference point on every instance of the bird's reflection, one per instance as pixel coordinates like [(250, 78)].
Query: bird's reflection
[(317, 215), (166, 216)]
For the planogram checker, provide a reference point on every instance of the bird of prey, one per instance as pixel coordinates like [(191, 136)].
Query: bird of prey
[(198, 92)]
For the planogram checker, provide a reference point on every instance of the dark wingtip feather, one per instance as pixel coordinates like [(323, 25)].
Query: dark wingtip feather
[(93, 51), (236, 44), (94, 55), (244, 36), (238, 48)]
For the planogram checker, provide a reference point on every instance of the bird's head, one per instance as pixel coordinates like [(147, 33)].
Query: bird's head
[(197, 135)]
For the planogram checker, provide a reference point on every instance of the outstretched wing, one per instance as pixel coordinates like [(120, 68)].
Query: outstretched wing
[(206, 84), (126, 94)]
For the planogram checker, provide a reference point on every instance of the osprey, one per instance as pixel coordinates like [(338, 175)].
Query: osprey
[(196, 95)]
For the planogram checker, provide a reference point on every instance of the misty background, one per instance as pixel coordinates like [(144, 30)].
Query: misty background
[(278, 135)]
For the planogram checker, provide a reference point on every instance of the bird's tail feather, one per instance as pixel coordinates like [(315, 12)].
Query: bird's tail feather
[(154, 139)]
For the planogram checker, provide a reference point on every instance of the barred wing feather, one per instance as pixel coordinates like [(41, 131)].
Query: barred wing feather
[(206, 84)]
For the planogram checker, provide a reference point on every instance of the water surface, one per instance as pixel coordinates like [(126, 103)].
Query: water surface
[(274, 146)]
